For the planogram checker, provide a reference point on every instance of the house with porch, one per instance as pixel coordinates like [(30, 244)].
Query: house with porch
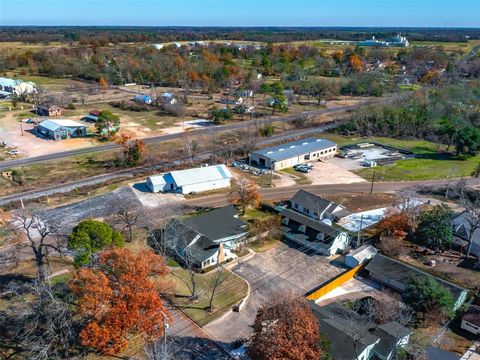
[(309, 222), (206, 239)]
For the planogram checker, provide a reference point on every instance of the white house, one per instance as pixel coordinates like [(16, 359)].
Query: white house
[(358, 256), (208, 238), (191, 180), (461, 228), (471, 320), (17, 87)]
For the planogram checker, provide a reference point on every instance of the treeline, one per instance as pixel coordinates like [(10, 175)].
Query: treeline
[(448, 115), (116, 35)]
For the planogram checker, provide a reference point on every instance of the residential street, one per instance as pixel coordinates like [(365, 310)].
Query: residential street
[(285, 268)]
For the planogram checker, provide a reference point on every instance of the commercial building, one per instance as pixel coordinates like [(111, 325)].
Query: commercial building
[(61, 129), (17, 87), (396, 41), (191, 180), (293, 153)]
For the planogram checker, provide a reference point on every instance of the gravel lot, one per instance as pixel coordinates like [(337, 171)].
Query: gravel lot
[(284, 268)]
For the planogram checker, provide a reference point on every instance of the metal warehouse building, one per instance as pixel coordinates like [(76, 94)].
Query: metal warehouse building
[(293, 153), (191, 180), (61, 129)]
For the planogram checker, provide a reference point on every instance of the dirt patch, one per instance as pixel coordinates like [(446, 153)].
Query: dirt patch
[(363, 202), (328, 173)]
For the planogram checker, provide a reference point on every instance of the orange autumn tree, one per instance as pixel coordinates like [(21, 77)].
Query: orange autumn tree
[(286, 330), (355, 62), (118, 299), (244, 193)]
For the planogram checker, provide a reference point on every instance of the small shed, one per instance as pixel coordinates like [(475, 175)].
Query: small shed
[(156, 183), (145, 99), (360, 255), (49, 110)]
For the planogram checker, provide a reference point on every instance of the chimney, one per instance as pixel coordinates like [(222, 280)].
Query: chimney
[(221, 254)]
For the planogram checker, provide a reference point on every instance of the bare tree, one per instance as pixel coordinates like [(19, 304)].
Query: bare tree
[(471, 216), (125, 215), (40, 235), (158, 350), (221, 275), (37, 326), (190, 146)]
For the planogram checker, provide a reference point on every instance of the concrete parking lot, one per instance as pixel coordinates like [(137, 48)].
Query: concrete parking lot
[(285, 268)]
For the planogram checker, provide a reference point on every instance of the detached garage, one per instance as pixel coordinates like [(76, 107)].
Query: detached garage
[(191, 180)]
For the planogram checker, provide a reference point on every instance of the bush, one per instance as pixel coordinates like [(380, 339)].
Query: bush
[(267, 130), (130, 105)]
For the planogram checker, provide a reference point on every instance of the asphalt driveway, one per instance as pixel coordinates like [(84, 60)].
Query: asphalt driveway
[(285, 268)]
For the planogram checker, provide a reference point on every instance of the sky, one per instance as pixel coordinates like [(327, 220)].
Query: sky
[(370, 13)]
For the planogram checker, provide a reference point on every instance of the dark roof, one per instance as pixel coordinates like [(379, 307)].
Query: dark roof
[(319, 204), (435, 353), (399, 272), (389, 333), (342, 327), (311, 223), (472, 315), (295, 148), (217, 224), (180, 236)]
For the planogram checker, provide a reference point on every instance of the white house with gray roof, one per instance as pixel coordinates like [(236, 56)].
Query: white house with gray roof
[(191, 180), (296, 152)]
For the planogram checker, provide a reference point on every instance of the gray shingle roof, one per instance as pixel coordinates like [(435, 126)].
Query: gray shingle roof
[(311, 223), (295, 148), (399, 272), (317, 203), (217, 224), (389, 334)]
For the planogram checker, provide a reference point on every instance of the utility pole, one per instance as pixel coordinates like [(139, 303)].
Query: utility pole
[(373, 181), (21, 128), (449, 182), (359, 231)]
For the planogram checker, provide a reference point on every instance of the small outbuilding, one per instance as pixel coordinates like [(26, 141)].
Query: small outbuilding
[(293, 153), (49, 110), (471, 320), (191, 180), (144, 99), (360, 255), (61, 129)]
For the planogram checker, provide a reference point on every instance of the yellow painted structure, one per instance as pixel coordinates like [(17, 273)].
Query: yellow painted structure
[(333, 283)]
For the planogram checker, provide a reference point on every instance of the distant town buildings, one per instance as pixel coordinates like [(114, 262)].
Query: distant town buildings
[(16, 87), (396, 41)]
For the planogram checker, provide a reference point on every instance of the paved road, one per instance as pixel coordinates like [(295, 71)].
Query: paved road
[(206, 130), (129, 173), (285, 268), (286, 192)]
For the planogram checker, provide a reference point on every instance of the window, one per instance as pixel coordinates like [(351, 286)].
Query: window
[(295, 206), (307, 211)]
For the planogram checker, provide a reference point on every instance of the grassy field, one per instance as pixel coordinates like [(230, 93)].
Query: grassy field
[(230, 292), (434, 163)]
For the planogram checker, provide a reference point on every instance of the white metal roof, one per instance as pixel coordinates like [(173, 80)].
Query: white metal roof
[(363, 252), (200, 175), (57, 123), (156, 180)]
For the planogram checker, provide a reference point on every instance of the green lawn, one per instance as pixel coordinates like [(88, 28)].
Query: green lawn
[(422, 169), (409, 87), (253, 213), (263, 245), (229, 293), (300, 178)]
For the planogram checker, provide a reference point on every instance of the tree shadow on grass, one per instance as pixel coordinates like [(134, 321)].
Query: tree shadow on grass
[(7, 279)]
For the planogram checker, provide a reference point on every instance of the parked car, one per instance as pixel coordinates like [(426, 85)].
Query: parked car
[(12, 152)]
